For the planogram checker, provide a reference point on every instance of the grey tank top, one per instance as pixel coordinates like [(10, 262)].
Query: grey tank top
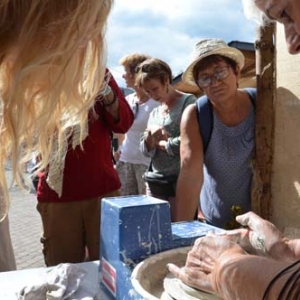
[(228, 170)]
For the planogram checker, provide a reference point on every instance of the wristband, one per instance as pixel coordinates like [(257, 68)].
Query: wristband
[(106, 90)]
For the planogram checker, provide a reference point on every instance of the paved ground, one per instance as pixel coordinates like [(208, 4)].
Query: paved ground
[(25, 229)]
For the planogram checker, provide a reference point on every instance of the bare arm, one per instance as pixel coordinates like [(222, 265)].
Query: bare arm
[(111, 103), (217, 264), (120, 137), (190, 179), (117, 107)]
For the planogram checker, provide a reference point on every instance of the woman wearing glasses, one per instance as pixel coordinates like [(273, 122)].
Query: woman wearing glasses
[(220, 172), (131, 163), (161, 140)]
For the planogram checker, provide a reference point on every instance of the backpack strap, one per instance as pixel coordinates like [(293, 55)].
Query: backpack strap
[(205, 118), (252, 94)]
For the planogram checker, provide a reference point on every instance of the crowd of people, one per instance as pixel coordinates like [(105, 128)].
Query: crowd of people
[(194, 153)]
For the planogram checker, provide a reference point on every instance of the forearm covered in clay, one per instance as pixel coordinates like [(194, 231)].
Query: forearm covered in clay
[(246, 277)]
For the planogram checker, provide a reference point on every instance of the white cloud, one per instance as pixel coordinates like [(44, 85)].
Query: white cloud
[(169, 29)]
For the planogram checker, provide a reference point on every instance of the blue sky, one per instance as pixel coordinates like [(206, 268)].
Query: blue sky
[(169, 29)]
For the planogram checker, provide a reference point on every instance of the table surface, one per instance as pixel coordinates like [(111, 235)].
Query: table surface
[(12, 282)]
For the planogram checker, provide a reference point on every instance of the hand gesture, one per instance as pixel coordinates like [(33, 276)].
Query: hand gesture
[(204, 260), (261, 237), (156, 136)]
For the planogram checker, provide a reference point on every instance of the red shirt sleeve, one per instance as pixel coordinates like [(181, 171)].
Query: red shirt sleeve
[(126, 116)]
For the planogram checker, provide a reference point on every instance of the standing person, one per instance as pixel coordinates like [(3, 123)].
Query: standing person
[(215, 256), (219, 168), (131, 163), (45, 49), (70, 191), (161, 140)]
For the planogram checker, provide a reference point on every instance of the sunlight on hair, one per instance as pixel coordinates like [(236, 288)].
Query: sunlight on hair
[(252, 12), (52, 64)]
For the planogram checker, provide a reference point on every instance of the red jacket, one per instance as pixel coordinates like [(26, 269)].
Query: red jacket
[(90, 172)]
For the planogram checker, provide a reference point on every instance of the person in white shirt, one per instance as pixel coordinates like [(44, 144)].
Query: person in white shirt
[(131, 163)]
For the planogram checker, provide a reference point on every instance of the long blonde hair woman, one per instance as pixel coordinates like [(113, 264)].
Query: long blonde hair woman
[(52, 63)]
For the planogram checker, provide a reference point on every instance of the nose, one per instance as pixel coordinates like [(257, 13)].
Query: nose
[(215, 81), (123, 76), (292, 38)]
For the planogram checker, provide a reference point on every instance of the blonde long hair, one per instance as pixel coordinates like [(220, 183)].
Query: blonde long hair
[(52, 65)]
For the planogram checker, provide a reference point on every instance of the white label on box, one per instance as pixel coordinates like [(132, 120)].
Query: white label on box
[(109, 276)]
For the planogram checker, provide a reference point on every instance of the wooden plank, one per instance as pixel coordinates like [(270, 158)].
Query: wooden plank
[(265, 69)]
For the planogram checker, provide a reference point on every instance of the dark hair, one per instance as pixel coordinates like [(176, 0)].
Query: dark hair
[(210, 60)]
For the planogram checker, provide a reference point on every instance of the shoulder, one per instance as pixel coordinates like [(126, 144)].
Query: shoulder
[(129, 98), (187, 99), (187, 96), (152, 103), (250, 91), (189, 115), (155, 111)]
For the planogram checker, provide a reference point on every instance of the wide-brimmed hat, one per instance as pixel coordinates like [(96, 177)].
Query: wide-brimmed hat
[(210, 47)]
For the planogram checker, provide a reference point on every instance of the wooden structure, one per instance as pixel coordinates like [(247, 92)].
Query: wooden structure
[(263, 161), (285, 182)]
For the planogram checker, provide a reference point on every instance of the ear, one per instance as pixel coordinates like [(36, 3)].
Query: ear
[(166, 81), (237, 72)]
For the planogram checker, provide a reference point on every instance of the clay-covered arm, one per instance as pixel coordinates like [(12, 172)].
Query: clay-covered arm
[(217, 264), (262, 237)]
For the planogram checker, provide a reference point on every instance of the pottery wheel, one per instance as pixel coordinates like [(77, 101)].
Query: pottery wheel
[(153, 281), (177, 290)]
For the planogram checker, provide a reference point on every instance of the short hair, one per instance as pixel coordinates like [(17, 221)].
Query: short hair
[(210, 60), (252, 12), (133, 60), (52, 65), (153, 68)]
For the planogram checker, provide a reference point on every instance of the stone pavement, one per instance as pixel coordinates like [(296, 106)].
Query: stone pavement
[(25, 228)]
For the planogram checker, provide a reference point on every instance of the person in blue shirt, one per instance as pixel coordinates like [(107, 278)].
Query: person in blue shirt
[(255, 262)]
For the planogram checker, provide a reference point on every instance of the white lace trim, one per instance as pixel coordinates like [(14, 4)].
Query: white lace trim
[(58, 158)]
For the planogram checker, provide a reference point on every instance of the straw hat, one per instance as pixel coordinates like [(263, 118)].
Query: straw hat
[(209, 47)]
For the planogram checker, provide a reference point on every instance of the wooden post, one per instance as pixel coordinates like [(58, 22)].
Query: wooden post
[(265, 75)]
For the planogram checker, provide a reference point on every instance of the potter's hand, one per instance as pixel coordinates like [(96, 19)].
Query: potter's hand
[(204, 260), (261, 237)]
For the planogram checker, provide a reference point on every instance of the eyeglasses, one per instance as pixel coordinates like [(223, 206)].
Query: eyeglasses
[(219, 74)]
